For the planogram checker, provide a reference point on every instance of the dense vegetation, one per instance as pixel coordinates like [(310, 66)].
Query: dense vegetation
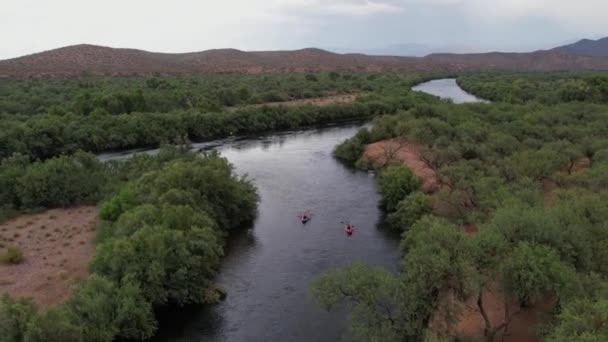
[(522, 208), (56, 182), (165, 94), (159, 243), (522, 204), (44, 118), (538, 87)]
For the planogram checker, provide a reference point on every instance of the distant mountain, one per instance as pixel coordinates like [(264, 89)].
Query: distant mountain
[(87, 60), (587, 47), (408, 50)]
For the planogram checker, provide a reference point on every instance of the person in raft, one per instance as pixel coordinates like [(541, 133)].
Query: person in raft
[(348, 229)]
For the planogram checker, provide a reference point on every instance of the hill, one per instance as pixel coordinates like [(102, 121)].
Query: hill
[(87, 60), (587, 47)]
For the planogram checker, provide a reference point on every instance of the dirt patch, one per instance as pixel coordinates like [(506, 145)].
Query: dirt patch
[(315, 101), (56, 245), (386, 151), (470, 229), (579, 165), (524, 325), (548, 188)]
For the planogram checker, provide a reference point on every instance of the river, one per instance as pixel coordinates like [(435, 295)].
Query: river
[(267, 271), (447, 88)]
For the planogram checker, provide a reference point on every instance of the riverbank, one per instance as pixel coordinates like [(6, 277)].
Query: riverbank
[(495, 261), (385, 152), (266, 272)]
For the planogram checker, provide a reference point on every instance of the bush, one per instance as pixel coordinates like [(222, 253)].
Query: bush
[(61, 181), (581, 320), (394, 184), (53, 325), (409, 210), (14, 317), (351, 149), (13, 255), (164, 233), (105, 310)]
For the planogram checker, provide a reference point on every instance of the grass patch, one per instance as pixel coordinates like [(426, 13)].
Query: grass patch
[(13, 256)]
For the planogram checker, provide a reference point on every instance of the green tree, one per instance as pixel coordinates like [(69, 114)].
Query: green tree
[(14, 318), (394, 184), (53, 324), (168, 264), (409, 210), (534, 271), (105, 311), (244, 94), (581, 320), (375, 315)]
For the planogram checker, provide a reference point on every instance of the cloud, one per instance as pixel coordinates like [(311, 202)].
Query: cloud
[(586, 14), (188, 25), (338, 7)]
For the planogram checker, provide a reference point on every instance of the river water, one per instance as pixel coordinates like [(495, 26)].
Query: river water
[(267, 270), (447, 89)]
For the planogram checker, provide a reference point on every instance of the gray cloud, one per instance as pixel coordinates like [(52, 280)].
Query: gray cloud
[(188, 25)]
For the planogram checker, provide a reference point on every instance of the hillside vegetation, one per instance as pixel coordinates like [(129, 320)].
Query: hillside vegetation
[(44, 118), (551, 89), (517, 215), (519, 219)]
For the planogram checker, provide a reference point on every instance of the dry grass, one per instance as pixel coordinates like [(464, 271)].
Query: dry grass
[(55, 248)]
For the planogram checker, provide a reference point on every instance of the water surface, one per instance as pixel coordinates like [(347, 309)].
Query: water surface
[(447, 89), (267, 271)]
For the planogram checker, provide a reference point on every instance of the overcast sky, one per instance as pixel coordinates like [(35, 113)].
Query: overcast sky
[(29, 26)]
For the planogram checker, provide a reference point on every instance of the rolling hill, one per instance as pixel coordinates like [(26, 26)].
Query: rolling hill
[(587, 47), (88, 60)]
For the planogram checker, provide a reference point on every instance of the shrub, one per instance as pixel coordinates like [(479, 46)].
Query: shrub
[(104, 310), (13, 255), (14, 317), (53, 325), (350, 150), (409, 210), (394, 184)]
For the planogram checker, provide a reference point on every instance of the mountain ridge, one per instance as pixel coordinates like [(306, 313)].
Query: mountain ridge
[(87, 59), (587, 47)]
